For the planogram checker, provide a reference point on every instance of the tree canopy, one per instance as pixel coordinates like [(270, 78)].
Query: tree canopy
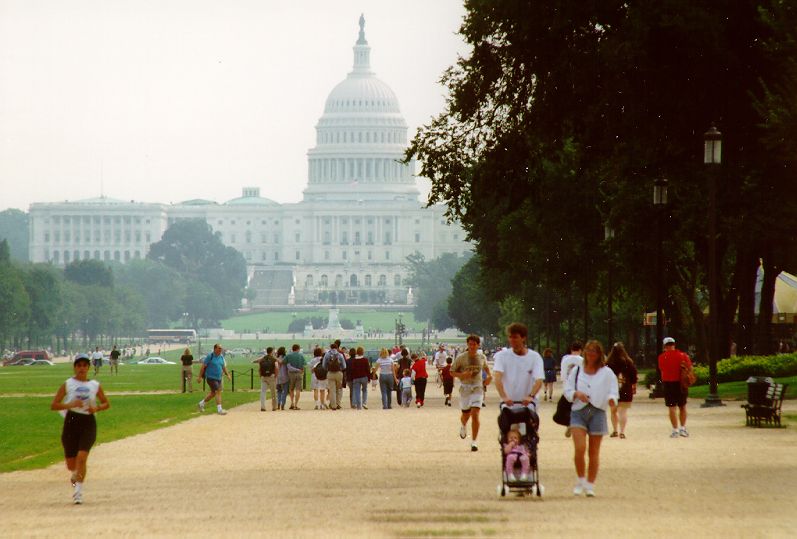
[(564, 114)]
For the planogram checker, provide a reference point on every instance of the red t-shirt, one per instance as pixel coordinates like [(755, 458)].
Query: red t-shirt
[(420, 368), (447, 373), (670, 365)]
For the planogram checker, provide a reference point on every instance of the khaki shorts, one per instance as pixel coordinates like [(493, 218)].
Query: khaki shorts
[(295, 380)]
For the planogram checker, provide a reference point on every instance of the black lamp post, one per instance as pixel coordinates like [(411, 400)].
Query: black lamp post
[(659, 204), (712, 158), (608, 235)]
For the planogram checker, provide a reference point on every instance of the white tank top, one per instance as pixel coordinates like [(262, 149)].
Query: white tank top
[(84, 391)]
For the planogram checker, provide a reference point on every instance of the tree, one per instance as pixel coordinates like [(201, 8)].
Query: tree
[(161, 288), (14, 229), (191, 248), (15, 311), (43, 286), (89, 272), (574, 108), (431, 281), (469, 306)]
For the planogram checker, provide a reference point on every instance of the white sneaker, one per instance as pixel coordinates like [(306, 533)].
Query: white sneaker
[(474, 446), (463, 433), (77, 496), (524, 477), (201, 406), (683, 432), (590, 492), (222, 412), (674, 434), (511, 478), (578, 490)]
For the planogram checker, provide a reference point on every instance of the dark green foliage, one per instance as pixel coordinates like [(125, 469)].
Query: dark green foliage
[(469, 305), (564, 114), (191, 248), (89, 272)]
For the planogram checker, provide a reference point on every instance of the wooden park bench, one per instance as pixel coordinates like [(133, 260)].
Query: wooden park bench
[(768, 409)]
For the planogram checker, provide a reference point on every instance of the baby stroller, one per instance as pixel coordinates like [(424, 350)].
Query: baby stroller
[(527, 423)]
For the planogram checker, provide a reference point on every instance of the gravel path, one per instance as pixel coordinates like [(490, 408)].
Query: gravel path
[(406, 473)]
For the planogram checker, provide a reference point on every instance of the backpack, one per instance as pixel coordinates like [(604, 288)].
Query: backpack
[(319, 371), (334, 363), (267, 366), (688, 377)]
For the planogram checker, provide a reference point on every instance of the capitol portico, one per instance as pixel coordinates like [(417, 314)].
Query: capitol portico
[(348, 239)]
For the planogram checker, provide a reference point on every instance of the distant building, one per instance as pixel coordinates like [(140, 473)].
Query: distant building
[(345, 242)]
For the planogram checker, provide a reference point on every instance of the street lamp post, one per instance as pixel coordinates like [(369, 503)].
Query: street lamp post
[(608, 235), (659, 203), (712, 158)]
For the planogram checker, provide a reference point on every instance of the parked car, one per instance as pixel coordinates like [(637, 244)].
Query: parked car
[(40, 362), (20, 362), (237, 352), (27, 354), (155, 360)]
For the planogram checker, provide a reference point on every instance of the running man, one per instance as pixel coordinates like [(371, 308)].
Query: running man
[(96, 359), (76, 400), (468, 367), (212, 368)]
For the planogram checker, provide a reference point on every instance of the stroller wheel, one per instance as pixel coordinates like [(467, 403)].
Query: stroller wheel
[(540, 490), (500, 491)]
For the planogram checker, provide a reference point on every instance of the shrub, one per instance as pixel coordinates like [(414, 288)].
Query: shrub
[(740, 368)]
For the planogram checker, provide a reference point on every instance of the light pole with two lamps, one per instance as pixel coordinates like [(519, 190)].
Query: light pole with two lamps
[(712, 158), (659, 204), (608, 235)]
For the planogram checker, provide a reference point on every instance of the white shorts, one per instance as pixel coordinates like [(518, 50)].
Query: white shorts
[(315, 383), (470, 397)]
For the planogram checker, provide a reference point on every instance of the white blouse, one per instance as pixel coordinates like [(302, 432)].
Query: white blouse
[(599, 387)]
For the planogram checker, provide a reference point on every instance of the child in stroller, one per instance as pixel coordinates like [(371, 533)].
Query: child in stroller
[(518, 439)]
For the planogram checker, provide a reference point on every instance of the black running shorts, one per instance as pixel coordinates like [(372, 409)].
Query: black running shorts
[(79, 433), (674, 394)]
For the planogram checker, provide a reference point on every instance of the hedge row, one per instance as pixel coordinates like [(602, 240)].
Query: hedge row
[(740, 368)]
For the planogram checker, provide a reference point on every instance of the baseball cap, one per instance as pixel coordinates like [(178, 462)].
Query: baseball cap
[(81, 357), (668, 340)]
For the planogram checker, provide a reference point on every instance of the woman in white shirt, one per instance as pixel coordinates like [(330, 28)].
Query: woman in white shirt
[(591, 388), (77, 400)]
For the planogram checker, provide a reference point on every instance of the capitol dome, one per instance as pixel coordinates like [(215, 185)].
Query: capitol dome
[(360, 139)]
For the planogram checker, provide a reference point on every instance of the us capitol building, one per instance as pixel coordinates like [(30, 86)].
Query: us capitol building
[(345, 242)]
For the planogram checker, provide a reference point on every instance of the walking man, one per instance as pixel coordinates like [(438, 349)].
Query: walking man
[(96, 360), (675, 394), (296, 363), (268, 379), (519, 371), (212, 368), (187, 372), (335, 364), (115, 360), (468, 367)]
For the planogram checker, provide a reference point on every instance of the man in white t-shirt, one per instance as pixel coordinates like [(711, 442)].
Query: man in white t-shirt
[(440, 362), (96, 360), (573, 359), (519, 371)]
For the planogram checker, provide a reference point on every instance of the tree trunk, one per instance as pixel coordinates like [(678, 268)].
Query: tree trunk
[(747, 269), (688, 288)]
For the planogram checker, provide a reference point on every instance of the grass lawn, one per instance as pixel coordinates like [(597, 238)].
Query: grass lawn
[(738, 390), (32, 432), (278, 322)]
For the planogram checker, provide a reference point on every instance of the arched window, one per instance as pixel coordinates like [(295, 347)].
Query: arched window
[(96, 255), (308, 281), (324, 281), (338, 281), (397, 280), (383, 280), (353, 281), (367, 280), (56, 257)]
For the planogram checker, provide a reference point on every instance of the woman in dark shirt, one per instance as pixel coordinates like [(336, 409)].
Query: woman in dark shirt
[(549, 365), (623, 366), (360, 369)]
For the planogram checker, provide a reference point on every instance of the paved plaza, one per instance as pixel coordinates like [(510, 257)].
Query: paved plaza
[(406, 473)]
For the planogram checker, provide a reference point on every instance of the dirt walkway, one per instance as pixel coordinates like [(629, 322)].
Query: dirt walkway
[(402, 472)]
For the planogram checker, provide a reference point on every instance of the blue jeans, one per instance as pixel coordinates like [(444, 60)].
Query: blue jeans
[(386, 386), (282, 393), (359, 389)]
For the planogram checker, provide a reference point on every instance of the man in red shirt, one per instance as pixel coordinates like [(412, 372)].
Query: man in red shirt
[(674, 394)]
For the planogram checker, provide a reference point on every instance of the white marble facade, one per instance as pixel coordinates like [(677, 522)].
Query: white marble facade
[(358, 221)]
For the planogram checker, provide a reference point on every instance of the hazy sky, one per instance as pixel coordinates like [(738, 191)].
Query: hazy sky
[(168, 100)]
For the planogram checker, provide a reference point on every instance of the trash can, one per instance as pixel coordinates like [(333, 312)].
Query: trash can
[(757, 387)]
